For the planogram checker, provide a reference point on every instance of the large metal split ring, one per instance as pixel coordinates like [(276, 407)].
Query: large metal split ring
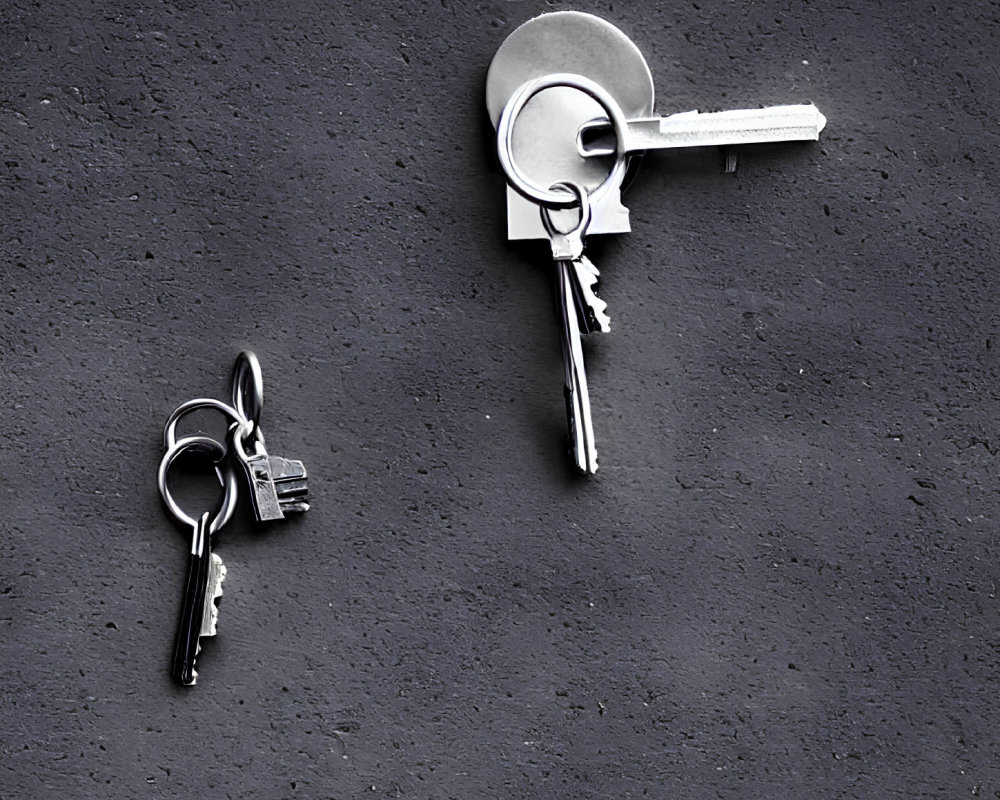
[(551, 196), (203, 447), (243, 414)]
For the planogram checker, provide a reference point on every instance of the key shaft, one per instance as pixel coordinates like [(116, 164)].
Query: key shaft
[(579, 422), (695, 129), (192, 616)]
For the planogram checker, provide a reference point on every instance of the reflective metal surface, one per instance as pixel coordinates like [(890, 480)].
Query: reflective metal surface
[(271, 497), (200, 403), (206, 448), (574, 313), (695, 129), (543, 139), (565, 71), (541, 193)]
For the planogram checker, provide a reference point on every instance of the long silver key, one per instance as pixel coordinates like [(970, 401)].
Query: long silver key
[(205, 570), (580, 310), (199, 613), (278, 486), (695, 129)]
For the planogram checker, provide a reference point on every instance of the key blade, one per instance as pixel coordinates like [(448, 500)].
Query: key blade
[(695, 129), (592, 310), (579, 422)]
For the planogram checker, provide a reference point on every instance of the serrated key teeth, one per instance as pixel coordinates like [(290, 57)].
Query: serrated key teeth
[(213, 592), (592, 310), (291, 487)]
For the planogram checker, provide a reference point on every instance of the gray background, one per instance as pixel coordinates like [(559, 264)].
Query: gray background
[(781, 582)]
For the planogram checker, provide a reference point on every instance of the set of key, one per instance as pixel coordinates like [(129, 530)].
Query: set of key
[(277, 487), (572, 101)]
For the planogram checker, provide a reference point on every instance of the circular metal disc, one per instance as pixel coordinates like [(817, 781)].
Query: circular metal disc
[(571, 41), (544, 140)]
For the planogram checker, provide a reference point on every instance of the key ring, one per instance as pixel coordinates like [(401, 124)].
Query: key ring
[(505, 137), (568, 244), (248, 387), (170, 428), (205, 447)]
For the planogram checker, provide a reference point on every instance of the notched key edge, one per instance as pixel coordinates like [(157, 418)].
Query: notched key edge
[(591, 309), (213, 593)]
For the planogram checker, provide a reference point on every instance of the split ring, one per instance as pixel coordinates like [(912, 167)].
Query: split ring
[(505, 137), (205, 447), (248, 387), (586, 212)]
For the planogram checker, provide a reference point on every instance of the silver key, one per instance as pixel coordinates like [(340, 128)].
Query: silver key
[(199, 614), (278, 486), (580, 310), (205, 570), (592, 48), (695, 129), (570, 71)]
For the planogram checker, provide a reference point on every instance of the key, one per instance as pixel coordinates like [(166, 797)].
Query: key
[(570, 73), (579, 308), (278, 486), (205, 571), (591, 309), (579, 421), (695, 129), (199, 613)]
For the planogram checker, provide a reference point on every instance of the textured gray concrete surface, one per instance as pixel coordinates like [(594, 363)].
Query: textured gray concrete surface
[(781, 583)]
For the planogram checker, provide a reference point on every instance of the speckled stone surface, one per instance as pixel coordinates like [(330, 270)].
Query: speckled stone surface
[(782, 581)]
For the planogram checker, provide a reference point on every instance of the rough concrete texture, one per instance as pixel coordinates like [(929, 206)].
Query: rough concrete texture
[(782, 581)]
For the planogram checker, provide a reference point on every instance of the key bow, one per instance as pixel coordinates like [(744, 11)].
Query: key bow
[(568, 245)]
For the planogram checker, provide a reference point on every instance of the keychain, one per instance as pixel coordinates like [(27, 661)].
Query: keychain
[(278, 486)]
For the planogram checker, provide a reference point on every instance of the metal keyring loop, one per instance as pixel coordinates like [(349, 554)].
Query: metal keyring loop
[(243, 433), (586, 211), (170, 428), (248, 387), (209, 448), (505, 136)]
